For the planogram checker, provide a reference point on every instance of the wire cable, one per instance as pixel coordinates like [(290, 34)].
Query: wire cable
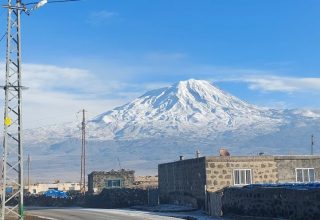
[(54, 1), (3, 36)]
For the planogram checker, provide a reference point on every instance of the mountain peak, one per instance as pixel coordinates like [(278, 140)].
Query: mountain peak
[(193, 82), (189, 96), (190, 104), (195, 85), (206, 94)]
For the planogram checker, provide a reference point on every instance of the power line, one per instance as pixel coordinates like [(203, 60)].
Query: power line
[(5, 34), (54, 1)]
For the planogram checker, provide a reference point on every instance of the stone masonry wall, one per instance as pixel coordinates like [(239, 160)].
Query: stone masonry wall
[(97, 180), (287, 166), (219, 170), (122, 198), (272, 202)]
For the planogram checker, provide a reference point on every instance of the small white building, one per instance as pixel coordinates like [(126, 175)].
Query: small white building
[(39, 188)]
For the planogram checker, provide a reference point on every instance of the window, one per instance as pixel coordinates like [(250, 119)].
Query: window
[(242, 177), (305, 175), (114, 183)]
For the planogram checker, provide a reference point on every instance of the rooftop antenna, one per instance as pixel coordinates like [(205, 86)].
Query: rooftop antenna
[(119, 163), (198, 153), (312, 144)]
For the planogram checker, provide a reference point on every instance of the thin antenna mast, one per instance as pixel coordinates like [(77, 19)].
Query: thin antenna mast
[(83, 154), (29, 172), (312, 144), (119, 163)]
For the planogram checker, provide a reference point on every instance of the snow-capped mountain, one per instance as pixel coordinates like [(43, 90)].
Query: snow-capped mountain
[(165, 123), (193, 105)]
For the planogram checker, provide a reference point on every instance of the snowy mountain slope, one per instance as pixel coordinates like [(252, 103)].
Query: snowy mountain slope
[(165, 123), (185, 106)]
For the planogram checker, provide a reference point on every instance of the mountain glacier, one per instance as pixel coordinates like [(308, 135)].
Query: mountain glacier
[(165, 123)]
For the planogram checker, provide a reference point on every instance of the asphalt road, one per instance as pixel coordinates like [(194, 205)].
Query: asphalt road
[(95, 214)]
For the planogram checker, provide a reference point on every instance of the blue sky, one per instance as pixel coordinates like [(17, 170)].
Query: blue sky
[(98, 54)]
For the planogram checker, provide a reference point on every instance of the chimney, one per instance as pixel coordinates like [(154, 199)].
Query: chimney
[(224, 152), (198, 153), (181, 157)]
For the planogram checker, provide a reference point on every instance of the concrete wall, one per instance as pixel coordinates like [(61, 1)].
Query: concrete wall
[(272, 202), (214, 203), (287, 165), (219, 170), (183, 182), (97, 180)]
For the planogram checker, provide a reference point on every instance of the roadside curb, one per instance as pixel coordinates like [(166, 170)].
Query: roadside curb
[(155, 209), (36, 217)]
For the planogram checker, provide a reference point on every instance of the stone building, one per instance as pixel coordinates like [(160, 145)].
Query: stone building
[(186, 181), (99, 180)]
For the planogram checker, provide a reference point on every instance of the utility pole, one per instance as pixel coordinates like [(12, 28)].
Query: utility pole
[(83, 154), (28, 172), (312, 144), (12, 171)]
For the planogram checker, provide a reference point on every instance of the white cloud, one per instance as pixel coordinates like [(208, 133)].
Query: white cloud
[(157, 56), (282, 84), (97, 18), (56, 93), (263, 80)]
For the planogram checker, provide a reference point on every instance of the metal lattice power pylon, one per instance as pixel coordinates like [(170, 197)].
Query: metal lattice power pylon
[(12, 169), (12, 164)]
